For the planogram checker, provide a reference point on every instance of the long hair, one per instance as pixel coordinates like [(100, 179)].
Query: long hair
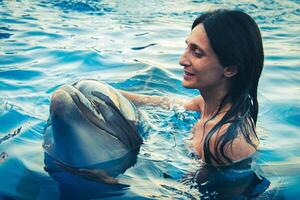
[(236, 40)]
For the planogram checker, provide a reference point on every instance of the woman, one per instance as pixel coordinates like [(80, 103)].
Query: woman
[(223, 60)]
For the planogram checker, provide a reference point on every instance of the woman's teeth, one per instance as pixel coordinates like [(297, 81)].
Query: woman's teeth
[(187, 73)]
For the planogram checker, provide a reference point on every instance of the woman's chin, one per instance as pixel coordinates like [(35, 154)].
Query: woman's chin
[(187, 84)]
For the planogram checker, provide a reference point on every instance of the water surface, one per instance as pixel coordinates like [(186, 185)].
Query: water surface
[(135, 46)]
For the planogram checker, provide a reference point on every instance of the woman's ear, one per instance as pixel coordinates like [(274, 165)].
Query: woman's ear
[(230, 71)]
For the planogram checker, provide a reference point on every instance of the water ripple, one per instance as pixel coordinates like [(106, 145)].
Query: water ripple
[(94, 7), (143, 47), (36, 34), (12, 21), (13, 59), (45, 44), (19, 74), (5, 35)]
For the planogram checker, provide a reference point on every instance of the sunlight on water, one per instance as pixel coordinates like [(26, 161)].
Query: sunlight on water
[(135, 46)]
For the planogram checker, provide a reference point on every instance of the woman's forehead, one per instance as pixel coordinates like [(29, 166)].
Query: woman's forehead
[(199, 37)]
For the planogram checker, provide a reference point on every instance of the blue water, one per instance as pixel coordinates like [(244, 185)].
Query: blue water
[(135, 46)]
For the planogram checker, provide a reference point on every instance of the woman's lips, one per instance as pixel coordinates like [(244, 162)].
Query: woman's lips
[(187, 75)]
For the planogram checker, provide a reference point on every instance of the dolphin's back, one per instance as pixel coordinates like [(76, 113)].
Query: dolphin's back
[(90, 123)]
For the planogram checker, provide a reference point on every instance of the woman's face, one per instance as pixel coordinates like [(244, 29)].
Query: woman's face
[(202, 69)]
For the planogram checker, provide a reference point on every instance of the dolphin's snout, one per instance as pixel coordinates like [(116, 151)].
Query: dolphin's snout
[(61, 101)]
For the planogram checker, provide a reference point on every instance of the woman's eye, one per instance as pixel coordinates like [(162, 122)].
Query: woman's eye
[(194, 50), (198, 53)]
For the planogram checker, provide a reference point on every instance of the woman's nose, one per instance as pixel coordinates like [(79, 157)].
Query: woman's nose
[(184, 61)]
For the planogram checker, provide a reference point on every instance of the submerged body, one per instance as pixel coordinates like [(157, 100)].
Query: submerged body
[(90, 126)]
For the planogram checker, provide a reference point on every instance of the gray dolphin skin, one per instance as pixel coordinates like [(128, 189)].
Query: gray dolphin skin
[(90, 123)]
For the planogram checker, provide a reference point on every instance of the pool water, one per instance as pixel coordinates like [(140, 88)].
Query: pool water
[(135, 46)]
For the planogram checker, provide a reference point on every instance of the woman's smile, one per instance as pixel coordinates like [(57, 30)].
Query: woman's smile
[(187, 75)]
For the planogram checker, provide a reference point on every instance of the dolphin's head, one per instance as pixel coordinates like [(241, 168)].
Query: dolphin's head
[(87, 125)]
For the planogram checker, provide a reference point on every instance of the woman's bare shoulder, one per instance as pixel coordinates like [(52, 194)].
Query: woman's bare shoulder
[(239, 148)]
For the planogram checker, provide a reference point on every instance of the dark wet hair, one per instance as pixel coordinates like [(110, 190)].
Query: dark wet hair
[(236, 40)]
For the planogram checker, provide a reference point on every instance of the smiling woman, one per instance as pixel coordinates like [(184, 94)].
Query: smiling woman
[(223, 60)]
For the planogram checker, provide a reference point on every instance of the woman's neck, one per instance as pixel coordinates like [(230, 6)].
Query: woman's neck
[(212, 100)]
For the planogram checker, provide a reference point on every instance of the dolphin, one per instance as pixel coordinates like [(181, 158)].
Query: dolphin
[(91, 125)]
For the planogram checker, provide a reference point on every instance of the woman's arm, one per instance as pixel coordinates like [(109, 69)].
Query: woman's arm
[(163, 101)]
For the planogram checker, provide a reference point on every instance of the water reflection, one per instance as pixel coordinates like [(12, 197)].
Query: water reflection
[(96, 181)]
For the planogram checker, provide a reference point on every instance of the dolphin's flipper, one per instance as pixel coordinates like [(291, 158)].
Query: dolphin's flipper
[(90, 123)]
